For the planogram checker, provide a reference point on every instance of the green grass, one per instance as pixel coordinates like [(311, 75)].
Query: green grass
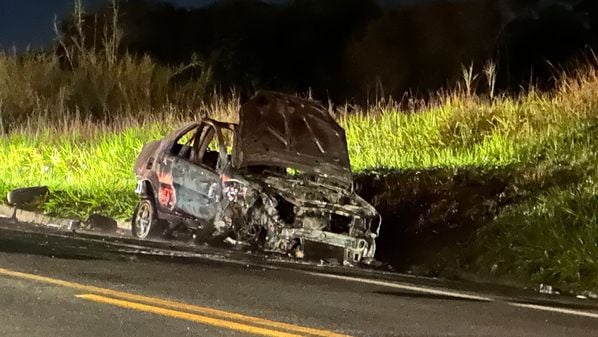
[(92, 171), (79, 131), (550, 237)]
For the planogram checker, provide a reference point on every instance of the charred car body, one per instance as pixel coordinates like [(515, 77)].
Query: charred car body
[(279, 180)]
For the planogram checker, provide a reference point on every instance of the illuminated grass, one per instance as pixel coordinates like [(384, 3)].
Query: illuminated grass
[(87, 164), (90, 168)]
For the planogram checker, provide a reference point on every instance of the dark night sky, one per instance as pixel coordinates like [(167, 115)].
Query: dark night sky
[(30, 22)]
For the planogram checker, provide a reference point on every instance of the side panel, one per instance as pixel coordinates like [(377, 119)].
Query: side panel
[(196, 189)]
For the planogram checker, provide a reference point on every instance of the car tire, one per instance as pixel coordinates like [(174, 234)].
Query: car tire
[(145, 223)]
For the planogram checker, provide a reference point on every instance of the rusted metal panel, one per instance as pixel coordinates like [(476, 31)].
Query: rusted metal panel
[(283, 130), (197, 189), (290, 185)]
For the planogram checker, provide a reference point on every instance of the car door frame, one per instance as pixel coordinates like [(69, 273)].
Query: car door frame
[(196, 187)]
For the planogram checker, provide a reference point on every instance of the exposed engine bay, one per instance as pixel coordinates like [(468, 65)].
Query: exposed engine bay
[(280, 180)]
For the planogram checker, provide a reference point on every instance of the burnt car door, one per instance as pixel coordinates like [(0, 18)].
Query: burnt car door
[(194, 174)]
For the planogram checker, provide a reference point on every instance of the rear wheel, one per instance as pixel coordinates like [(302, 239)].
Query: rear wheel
[(145, 223)]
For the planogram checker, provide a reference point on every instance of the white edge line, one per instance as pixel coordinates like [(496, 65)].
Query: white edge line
[(405, 287), (555, 309), (455, 294)]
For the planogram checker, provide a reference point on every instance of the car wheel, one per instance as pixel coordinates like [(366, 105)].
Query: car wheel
[(145, 223)]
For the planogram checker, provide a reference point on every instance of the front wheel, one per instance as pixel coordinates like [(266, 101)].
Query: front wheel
[(145, 223)]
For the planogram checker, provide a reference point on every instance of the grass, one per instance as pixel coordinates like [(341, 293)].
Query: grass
[(86, 159), (91, 166), (551, 236), (78, 130)]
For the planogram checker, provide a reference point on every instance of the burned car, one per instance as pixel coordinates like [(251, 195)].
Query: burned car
[(279, 180)]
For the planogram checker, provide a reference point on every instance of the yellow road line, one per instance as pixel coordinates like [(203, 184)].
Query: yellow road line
[(173, 304), (187, 316)]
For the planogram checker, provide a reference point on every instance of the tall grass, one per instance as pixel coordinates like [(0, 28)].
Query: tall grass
[(79, 82), (550, 237), (87, 160), (38, 88), (465, 130), (77, 125)]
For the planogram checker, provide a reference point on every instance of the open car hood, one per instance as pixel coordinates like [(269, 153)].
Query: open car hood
[(285, 131)]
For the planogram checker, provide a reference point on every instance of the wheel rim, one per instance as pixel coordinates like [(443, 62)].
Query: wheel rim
[(143, 221), (248, 233)]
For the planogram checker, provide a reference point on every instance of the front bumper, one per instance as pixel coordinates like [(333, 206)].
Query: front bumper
[(354, 249)]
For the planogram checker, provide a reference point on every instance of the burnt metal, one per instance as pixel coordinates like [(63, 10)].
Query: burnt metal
[(297, 132), (32, 197), (284, 186)]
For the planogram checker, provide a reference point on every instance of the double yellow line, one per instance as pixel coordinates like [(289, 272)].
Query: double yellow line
[(198, 314)]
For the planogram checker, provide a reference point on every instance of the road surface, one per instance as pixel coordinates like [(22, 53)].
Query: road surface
[(56, 284)]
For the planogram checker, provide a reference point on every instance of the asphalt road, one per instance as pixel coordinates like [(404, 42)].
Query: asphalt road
[(56, 284)]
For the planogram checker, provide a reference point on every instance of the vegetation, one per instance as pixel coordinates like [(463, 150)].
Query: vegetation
[(350, 49), (78, 128)]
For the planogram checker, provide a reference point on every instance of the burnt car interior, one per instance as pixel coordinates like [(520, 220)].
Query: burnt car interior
[(202, 146), (285, 185)]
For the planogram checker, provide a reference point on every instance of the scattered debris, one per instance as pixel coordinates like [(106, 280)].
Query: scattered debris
[(74, 225), (590, 294), (234, 242), (547, 289), (280, 180), (28, 197), (100, 223)]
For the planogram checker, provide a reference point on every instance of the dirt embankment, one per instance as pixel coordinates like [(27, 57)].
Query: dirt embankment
[(430, 217)]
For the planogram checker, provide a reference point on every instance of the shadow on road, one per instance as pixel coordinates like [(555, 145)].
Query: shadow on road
[(407, 294)]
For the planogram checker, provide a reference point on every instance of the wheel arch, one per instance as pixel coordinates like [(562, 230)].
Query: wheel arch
[(147, 189)]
